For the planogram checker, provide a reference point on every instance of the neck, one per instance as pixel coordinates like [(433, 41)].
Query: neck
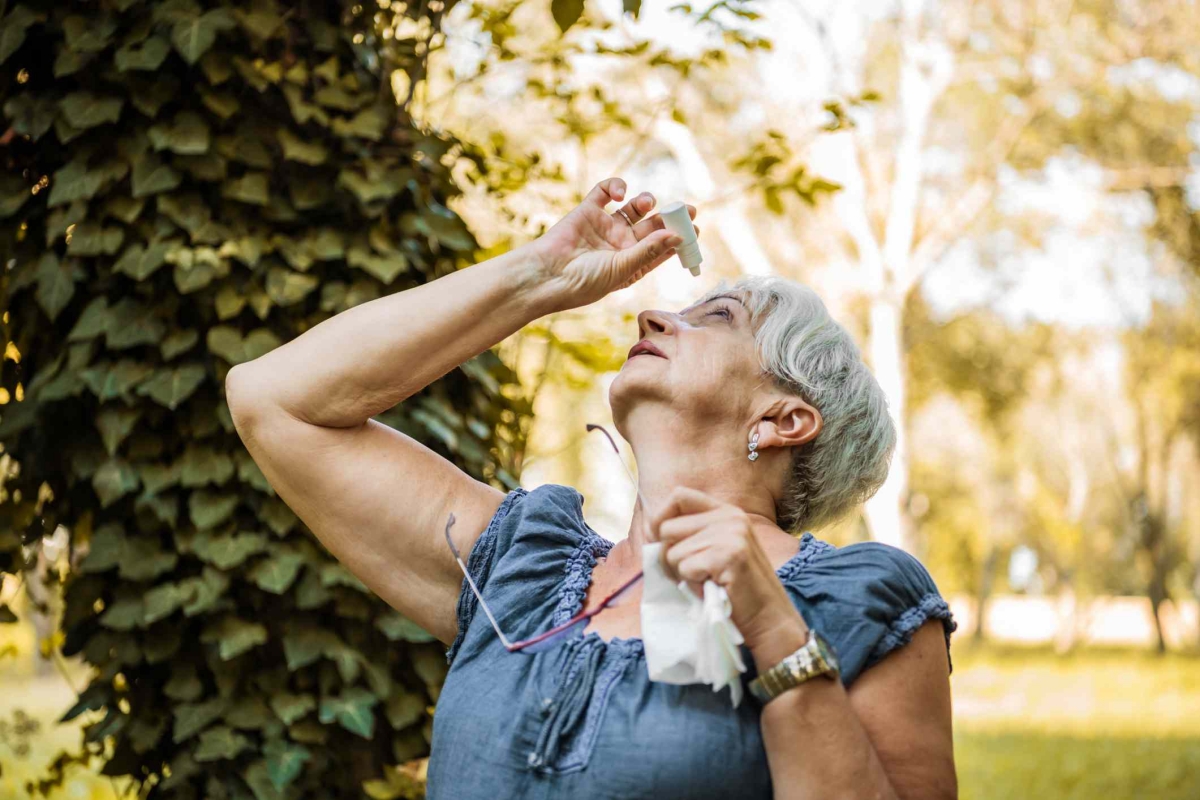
[(713, 461)]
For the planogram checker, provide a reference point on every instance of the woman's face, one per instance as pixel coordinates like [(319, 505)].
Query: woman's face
[(700, 364)]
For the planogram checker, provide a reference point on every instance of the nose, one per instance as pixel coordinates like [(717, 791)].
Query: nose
[(654, 321)]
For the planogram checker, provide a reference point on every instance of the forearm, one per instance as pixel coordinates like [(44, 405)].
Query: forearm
[(816, 747), (367, 359)]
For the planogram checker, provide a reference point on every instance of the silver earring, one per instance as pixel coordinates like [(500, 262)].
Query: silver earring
[(753, 447)]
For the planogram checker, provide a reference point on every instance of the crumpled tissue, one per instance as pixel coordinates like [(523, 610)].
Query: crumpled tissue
[(688, 639)]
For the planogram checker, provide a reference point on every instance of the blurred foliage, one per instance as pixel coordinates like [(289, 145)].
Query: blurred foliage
[(187, 186)]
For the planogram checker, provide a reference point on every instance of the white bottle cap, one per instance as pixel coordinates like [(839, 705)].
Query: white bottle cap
[(677, 220)]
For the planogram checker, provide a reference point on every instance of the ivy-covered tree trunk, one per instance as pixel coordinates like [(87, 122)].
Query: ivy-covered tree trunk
[(187, 185)]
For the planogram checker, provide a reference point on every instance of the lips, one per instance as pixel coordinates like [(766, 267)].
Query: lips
[(645, 346)]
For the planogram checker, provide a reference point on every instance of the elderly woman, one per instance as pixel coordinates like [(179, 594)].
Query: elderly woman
[(751, 416)]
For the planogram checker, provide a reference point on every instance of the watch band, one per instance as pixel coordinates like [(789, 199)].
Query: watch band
[(815, 657)]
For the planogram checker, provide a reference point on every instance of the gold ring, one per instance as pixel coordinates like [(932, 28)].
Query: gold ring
[(625, 216)]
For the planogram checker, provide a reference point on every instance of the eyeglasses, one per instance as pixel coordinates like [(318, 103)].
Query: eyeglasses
[(559, 633)]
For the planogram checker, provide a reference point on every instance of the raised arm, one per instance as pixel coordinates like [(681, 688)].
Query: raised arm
[(376, 498)]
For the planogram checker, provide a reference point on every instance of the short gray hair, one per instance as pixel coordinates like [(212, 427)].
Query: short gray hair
[(812, 356)]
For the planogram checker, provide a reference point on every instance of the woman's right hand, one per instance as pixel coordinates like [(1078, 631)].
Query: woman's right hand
[(590, 252)]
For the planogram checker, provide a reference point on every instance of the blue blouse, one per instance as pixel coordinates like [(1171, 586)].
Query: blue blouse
[(583, 719)]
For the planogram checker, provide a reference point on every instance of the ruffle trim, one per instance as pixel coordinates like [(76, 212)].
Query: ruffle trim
[(573, 589), (900, 633), (810, 548)]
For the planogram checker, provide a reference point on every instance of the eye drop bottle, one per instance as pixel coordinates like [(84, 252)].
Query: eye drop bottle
[(675, 217)]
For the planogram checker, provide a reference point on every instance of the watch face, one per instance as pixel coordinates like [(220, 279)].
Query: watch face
[(827, 651)]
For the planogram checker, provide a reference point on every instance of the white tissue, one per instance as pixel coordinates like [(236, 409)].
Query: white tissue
[(687, 639)]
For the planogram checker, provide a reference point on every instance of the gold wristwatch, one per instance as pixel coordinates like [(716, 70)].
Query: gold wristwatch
[(815, 657)]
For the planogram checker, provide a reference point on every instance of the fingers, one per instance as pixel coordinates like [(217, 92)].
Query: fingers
[(679, 528), (606, 191), (655, 223), (637, 208), (683, 500), (644, 256)]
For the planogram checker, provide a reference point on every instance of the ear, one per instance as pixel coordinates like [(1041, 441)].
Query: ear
[(789, 423)]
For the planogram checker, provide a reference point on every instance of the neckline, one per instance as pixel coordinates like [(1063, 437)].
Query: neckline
[(583, 564)]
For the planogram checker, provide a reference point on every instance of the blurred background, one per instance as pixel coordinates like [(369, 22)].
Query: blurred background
[(1000, 199)]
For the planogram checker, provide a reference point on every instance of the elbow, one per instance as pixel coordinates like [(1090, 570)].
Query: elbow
[(244, 401)]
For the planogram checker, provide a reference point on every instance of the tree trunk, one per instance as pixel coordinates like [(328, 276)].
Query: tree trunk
[(886, 510), (986, 580)]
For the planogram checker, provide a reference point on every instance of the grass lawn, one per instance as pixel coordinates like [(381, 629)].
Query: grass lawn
[(1112, 725), (1115, 725)]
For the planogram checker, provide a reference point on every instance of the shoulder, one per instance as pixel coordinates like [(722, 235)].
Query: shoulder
[(868, 599)]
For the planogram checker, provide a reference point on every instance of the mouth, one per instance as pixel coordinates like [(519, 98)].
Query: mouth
[(645, 347)]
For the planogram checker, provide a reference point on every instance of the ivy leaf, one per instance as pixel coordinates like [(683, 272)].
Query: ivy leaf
[(161, 602), (178, 342), (85, 110), (139, 324), (115, 423), (191, 718), (397, 627), (403, 709), (108, 380), (250, 188), (92, 239), (205, 590), (208, 510), (296, 149), (193, 37), (148, 55), (351, 710), (104, 549), (284, 761), (13, 194), (220, 744), (201, 465), (277, 573), (144, 559), (227, 342), (188, 134), (291, 707), (170, 387), (113, 480), (56, 282), (566, 12), (31, 115), (234, 636), (12, 30), (124, 615), (151, 176), (286, 287), (88, 34)]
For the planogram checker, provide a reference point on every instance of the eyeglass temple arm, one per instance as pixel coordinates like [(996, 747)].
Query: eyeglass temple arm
[(482, 603)]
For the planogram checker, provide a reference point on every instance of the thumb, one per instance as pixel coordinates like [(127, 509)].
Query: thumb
[(646, 254)]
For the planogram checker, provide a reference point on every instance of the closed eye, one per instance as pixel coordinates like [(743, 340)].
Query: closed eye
[(721, 310)]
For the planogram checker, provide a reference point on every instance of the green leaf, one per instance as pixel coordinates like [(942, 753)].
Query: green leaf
[(352, 710), (92, 239), (384, 267), (291, 707), (234, 636), (31, 115), (75, 181), (253, 188), (193, 37), (104, 550), (397, 627), (144, 559), (223, 104), (108, 380), (284, 761), (12, 30), (228, 550), (371, 187), (85, 110), (205, 592), (140, 262), (370, 123), (56, 282), (227, 342), (285, 287), (296, 149), (191, 718), (251, 713), (278, 572), (113, 480), (148, 55), (403, 709), (200, 465), (187, 210), (178, 342), (90, 33), (134, 324), (183, 685), (170, 387), (125, 209), (151, 176), (566, 12), (115, 423), (14, 193), (124, 615), (220, 744), (162, 601), (208, 509), (303, 111), (188, 134)]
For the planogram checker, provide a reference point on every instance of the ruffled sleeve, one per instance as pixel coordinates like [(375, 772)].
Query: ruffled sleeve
[(867, 599), (517, 563)]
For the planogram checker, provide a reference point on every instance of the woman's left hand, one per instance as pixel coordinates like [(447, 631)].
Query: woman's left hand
[(705, 539)]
